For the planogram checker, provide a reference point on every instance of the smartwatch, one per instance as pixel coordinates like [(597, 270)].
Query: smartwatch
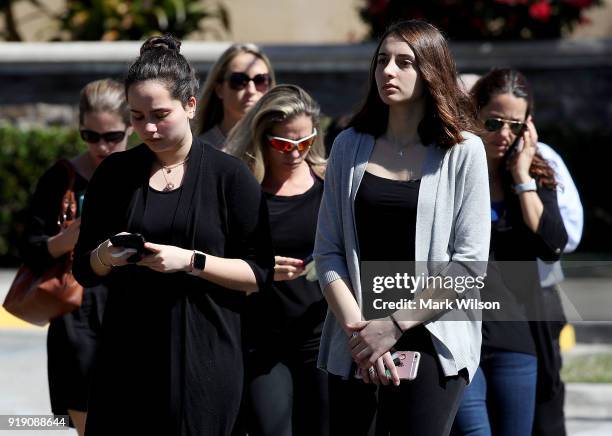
[(198, 262)]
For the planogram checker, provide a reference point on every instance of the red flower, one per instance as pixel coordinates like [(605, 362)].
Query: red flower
[(540, 11)]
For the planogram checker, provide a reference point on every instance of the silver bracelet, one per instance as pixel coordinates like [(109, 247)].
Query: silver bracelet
[(100, 259), (524, 187)]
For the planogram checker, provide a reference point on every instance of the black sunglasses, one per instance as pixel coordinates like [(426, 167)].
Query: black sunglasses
[(94, 137), (239, 81), (495, 124)]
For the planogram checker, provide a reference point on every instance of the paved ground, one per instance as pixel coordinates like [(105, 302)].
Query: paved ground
[(24, 385)]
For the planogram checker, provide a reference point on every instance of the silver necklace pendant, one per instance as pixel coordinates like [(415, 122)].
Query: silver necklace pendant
[(169, 187)]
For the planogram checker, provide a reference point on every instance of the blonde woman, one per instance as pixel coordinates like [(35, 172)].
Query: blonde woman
[(281, 141), (238, 79), (104, 124)]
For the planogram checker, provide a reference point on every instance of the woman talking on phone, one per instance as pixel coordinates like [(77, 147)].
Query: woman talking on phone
[(170, 357), (406, 182), (526, 224), (71, 339), (280, 139)]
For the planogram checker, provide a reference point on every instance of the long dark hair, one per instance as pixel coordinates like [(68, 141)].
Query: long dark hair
[(506, 81), (160, 59), (448, 111)]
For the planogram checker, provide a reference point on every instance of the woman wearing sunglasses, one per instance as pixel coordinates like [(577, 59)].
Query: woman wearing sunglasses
[(405, 182), (238, 79), (71, 339), (170, 359), (281, 141), (526, 224)]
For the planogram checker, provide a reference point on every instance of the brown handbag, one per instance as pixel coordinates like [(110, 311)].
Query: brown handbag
[(38, 298)]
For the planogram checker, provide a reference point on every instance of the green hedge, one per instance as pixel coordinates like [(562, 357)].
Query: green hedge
[(24, 157)]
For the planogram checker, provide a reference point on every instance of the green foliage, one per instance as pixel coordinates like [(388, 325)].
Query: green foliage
[(24, 156), (112, 20), (482, 19)]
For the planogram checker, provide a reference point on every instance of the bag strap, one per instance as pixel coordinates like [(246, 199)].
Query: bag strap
[(67, 211)]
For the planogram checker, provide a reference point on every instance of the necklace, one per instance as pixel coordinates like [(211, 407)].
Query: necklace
[(167, 170)]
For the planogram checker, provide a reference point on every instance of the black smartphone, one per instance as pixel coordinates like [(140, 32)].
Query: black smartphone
[(307, 259), (131, 240)]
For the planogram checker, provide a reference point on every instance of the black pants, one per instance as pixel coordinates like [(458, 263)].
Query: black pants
[(286, 396), (549, 418), (425, 406)]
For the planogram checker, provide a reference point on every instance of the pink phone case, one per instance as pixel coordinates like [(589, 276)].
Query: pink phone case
[(407, 364)]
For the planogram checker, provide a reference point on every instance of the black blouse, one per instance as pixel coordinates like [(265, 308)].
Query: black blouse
[(171, 351), (516, 284)]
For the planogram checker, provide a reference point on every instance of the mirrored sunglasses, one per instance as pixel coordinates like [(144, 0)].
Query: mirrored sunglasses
[(285, 145), (94, 137), (239, 81), (495, 125)]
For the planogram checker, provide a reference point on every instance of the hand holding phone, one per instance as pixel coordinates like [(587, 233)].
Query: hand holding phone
[(133, 241), (407, 364)]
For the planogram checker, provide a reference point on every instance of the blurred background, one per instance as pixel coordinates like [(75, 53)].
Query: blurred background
[(51, 48)]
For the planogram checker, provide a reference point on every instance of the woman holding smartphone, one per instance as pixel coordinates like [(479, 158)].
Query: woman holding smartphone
[(238, 79), (406, 182), (526, 224), (281, 141), (170, 357), (71, 339)]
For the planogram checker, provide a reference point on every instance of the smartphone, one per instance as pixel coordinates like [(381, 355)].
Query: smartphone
[(406, 363), (131, 240)]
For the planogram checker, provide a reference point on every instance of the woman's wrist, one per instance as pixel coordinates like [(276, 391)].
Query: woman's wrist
[(100, 259)]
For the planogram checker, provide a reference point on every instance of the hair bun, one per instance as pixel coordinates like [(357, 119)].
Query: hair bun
[(166, 42)]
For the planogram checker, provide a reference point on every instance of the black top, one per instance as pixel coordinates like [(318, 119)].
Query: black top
[(43, 211), (160, 212), (385, 214), (516, 284), (171, 344), (291, 315)]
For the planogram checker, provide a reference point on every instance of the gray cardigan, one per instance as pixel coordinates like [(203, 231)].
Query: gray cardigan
[(453, 226)]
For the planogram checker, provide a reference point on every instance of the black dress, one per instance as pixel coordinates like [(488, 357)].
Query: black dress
[(170, 359), (72, 338)]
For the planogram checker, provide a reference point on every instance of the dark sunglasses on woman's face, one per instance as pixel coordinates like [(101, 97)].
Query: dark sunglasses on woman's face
[(94, 137), (239, 81), (496, 124)]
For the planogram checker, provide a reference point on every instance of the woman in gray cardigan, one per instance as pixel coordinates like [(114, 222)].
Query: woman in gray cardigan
[(406, 182)]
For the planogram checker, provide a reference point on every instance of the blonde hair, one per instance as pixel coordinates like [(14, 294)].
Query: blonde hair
[(281, 103), (104, 95), (210, 106)]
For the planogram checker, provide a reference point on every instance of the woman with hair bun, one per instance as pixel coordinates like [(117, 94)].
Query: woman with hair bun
[(170, 357), (104, 123), (241, 75)]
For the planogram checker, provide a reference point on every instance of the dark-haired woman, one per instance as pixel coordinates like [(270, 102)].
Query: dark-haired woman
[(104, 123), (241, 75), (406, 182), (170, 356), (526, 224)]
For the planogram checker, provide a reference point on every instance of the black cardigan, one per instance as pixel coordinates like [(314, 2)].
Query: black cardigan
[(171, 344), (514, 280)]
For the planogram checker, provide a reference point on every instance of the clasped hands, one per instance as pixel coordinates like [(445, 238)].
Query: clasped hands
[(370, 344)]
